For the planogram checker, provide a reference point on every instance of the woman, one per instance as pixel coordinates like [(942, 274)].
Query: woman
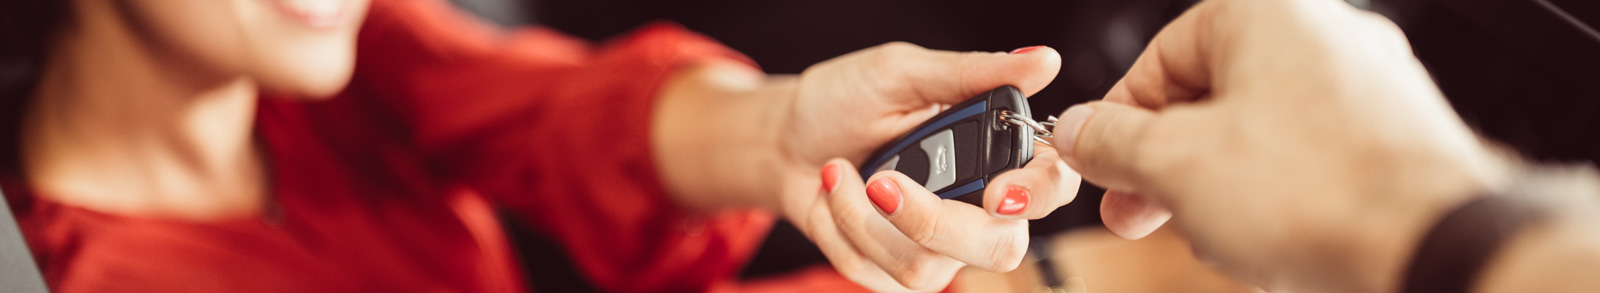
[(266, 145)]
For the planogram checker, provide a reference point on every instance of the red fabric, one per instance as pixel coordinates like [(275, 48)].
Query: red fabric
[(816, 278), (390, 186)]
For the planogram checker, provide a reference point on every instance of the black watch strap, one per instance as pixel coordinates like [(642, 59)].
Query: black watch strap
[(1453, 253)]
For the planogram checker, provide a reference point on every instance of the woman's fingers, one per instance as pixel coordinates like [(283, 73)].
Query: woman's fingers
[(953, 228), (946, 77), (858, 219), (821, 229), (1035, 190)]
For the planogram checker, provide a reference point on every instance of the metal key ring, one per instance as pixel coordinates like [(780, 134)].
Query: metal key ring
[(1041, 131)]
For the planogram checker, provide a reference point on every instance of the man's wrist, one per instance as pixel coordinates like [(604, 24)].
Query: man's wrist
[(1559, 254), (1510, 237), (1454, 251), (1418, 189)]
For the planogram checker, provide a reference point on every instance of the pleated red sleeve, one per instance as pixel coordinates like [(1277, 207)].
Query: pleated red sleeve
[(556, 130)]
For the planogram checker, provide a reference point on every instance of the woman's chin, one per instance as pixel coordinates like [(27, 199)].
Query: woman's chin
[(306, 86), (309, 70)]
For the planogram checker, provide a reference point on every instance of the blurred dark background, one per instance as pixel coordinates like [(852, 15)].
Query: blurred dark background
[(1523, 72)]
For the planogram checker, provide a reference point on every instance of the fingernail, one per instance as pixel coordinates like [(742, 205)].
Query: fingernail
[(1068, 127), (830, 177), (1014, 202), (1025, 50), (885, 194)]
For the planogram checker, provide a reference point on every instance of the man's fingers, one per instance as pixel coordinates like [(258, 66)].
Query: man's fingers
[(1102, 141), (1035, 190), (945, 77), (956, 229), (1174, 68), (1131, 216)]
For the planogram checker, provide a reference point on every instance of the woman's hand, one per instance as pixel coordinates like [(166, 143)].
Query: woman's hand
[(728, 135), (1298, 144), (896, 235)]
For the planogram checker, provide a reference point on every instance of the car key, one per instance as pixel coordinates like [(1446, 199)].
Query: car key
[(955, 153)]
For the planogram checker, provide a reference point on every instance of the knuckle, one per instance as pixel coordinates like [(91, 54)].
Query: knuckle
[(888, 51), (1388, 31), (851, 269), (1375, 18), (884, 56), (1007, 253), (1068, 185), (920, 272), (898, 46), (926, 231), (964, 76), (847, 217), (882, 62), (1383, 24)]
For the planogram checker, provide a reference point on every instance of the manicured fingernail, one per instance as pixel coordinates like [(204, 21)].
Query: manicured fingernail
[(1014, 202), (1025, 50), (830, 177), (885, 194), (1068, 127)]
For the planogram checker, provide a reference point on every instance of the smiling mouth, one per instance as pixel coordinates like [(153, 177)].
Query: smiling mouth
[(319, 14)]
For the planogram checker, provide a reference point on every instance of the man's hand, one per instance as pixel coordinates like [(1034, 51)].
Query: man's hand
[(1297, 143)]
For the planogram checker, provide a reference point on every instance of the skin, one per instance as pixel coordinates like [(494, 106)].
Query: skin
[(835, 113), (1300, 146), (146, 109)]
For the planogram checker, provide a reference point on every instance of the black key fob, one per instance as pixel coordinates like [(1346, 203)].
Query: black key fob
[(954, 154)]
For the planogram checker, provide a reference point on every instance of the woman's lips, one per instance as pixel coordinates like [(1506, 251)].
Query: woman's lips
[(314, 13)]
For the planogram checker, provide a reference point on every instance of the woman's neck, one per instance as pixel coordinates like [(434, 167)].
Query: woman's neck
[(119, 126)]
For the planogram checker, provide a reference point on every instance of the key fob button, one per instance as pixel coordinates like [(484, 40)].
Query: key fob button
[(914, 163), (890, 164), (955, 153), (941, 150)]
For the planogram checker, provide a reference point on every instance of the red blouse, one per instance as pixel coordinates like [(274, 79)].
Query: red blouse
[(390, 186)]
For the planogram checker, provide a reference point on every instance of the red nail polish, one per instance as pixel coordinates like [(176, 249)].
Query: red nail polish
[(885, 194), (830, 177), (1014, 202), (1025, 50)]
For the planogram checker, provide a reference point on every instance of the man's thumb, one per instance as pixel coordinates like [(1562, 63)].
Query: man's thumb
[(1101, 140)]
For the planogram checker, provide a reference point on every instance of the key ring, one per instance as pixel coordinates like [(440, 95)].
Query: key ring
[(1041, 130)]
